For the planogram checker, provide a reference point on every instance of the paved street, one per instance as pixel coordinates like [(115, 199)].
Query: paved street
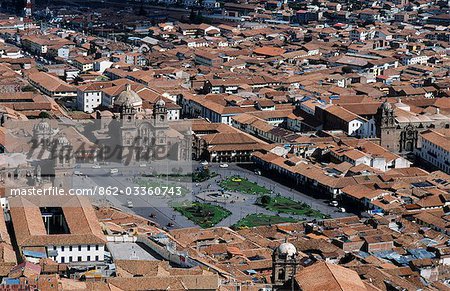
[(142, 205)]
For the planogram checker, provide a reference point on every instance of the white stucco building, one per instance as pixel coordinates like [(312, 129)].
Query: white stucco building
[(66, 230), (435, 148)]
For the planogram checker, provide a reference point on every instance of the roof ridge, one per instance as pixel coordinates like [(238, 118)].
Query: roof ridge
[(334, 277)]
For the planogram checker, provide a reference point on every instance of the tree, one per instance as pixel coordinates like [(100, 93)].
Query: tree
[(347, 70), (28, 88), (192, 15), (142, 11), (265, 200), (44, 114)]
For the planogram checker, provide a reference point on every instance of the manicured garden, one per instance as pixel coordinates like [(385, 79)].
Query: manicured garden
[(202, 214), (253, 220), (282, 204), (242, 185), (203, 175)]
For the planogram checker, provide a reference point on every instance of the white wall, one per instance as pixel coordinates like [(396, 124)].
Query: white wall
[(173, 114), (87, 101), (354, 127), (441, 155), (65, 253), (102, 66)]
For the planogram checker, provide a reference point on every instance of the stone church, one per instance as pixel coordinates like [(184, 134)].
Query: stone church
[(398, 127), (133, 134)]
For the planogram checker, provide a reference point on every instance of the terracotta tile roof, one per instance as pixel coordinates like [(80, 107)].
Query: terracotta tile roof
[(439, 137), (50, 82), (362, 191), (342, 113), (80, 217), (326, 276), (147, 283), (269, 51)]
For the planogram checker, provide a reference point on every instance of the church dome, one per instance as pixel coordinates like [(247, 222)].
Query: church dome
[(42, 126), (160, 103), (386, 106), (128, 98), (287, 249)]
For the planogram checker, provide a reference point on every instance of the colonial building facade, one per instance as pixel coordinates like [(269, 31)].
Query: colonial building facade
[(398, 128)]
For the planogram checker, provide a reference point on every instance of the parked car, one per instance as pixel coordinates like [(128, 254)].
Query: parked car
[(334, 203), (223, 165)]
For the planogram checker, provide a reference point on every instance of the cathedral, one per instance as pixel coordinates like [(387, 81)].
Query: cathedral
[(132, 134), (40, 153), (46, 151)]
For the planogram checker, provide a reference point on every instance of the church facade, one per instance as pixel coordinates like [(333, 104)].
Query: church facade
[(139, 135), (398, 127)]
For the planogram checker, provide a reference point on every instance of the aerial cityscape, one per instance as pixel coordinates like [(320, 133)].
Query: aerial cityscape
[(229, 145)]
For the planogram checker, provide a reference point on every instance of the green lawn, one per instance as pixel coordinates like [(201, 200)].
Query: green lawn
[(202, 214), (242, 185), (286, 205), (253, 220), (202, 176)]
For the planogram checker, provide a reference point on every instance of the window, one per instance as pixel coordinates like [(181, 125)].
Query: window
[(88, 248), (96, 258), (88, 258), (70, 248), (79, 248), (79, 259), (96, 247), (62, 259), (62, 248), (70, 259)]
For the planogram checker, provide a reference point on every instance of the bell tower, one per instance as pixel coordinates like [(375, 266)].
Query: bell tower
[(160, 114), (284, 263), (160, 127), (385, 126)]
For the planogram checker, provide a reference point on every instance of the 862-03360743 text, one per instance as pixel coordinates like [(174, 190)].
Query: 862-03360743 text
[(99, 190)]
